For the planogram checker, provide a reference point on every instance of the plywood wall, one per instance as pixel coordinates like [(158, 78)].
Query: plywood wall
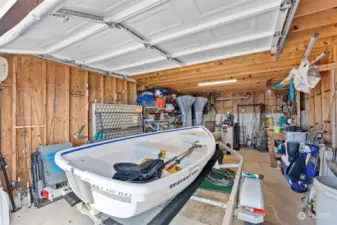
[(53, 101)]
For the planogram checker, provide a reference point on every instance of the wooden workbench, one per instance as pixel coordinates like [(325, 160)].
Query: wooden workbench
[(273, 137)]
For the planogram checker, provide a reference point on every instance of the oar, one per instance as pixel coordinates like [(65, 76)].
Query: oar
[(182, 156)]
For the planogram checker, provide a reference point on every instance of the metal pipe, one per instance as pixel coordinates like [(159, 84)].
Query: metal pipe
[(287, 28), (312, 42), (319, 57), (228, 218), (86, 67), (209, 201)]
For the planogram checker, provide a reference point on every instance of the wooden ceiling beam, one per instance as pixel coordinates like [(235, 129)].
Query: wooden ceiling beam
[(295, 48), (259, 80), (308, 7), (296, 52), (280, 73), (231, 72), (249, 80), (248, 87), (262, 76), (316, 20), (244, 64), (305, 36)]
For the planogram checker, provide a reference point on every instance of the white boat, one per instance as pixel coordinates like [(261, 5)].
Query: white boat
[(4, 207), (90, 169)]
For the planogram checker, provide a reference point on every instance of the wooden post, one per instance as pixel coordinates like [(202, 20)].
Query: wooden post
[(44, 114), (101, 87), (15, 64), (298, 102), (114, 90), (125, 88), (67, 103), (86, 101)]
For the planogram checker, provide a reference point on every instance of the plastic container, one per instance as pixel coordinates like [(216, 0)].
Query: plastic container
[(283, 121), (293, 150), (296, 136), (326, 200), (277, 129)]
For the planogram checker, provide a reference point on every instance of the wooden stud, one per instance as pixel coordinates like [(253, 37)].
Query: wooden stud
[(114, 89), (125, 92), (86, 101), (14, 103), (310, 7), (67, 103), (44, 114), (316, 20), (101, 87)]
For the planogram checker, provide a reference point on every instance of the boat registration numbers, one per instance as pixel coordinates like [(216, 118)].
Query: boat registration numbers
[(116, 195)]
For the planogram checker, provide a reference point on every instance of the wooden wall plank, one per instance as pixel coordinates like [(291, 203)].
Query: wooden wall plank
[(78, 103), (96, 90), (326, 98), (6, 117), (318, 106), (125, 92), (52, 94), (14, 103), (58, 84)]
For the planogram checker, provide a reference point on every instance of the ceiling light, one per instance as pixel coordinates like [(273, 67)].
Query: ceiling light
[(218, 82)]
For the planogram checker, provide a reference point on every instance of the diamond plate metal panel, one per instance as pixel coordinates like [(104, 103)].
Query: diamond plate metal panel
[(117, 120)]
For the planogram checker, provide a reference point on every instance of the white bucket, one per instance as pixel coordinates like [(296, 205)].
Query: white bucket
[(326, 200)]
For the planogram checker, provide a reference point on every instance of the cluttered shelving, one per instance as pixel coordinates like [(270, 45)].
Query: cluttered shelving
[(160, 110)]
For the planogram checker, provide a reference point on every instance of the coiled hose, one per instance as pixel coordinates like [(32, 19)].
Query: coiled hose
[(221, 177)]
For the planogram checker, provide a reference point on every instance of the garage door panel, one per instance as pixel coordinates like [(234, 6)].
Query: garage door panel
[(130, 58), (135, 36), (230, 51), (150, 67), (110, 40), (106, 8), (42, 36), (155, 21), (189, 14)]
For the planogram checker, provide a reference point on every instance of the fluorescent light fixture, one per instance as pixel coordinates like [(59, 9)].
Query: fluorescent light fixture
[(218, 82)]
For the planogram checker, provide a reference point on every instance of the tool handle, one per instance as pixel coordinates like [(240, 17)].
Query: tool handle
[(260, 211)]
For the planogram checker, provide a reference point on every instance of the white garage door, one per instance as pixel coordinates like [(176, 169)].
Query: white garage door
[(138, 36)]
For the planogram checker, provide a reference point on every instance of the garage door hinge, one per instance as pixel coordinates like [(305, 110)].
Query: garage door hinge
[(113, 25), (278, 34)]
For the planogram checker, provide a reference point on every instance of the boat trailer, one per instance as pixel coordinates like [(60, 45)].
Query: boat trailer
[(245, 202)]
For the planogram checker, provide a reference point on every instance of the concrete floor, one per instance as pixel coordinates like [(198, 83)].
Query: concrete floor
[(281, 203)]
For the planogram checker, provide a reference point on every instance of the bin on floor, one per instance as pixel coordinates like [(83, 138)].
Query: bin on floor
[(326, 200)]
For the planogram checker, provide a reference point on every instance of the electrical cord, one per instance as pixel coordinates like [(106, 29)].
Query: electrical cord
[(227, 179)]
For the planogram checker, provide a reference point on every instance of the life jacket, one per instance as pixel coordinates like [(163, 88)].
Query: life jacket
[(302, 171)]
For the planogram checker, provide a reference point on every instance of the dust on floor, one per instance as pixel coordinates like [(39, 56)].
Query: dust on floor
[(281, 203)]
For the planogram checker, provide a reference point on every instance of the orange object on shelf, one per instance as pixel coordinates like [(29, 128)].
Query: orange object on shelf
[(160, 102), (157, 102)]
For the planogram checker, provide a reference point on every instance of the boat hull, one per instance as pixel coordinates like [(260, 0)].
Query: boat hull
[(123, 199)]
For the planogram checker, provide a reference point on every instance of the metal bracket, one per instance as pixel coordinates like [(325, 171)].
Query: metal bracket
[(285, 5), (278, 34), (113, 25)]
